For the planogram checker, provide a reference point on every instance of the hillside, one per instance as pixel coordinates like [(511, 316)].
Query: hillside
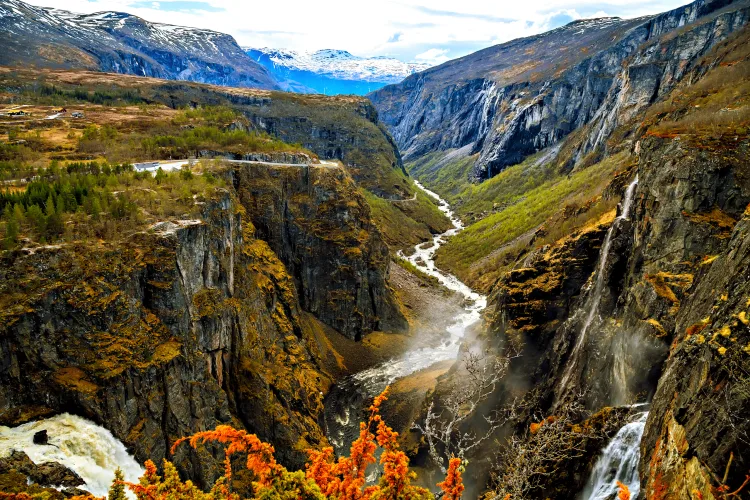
[(341, 128), (561, 142), (612, 249), (507, 102), (122, 43)]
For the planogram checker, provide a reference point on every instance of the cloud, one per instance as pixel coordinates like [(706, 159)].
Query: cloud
[(462, 15), (433, 56), (176, 6), (399, 28)]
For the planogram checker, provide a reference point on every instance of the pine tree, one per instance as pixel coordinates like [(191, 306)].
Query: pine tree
[(117, 490), (160, 175), (49, 207), (18, 213), (11, 228)]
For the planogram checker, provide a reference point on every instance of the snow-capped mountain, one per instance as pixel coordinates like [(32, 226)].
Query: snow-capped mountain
[(123, 43), (332, 71)]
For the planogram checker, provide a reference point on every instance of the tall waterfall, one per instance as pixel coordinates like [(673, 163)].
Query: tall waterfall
[(82, 446), (592, 304), (619, 462)]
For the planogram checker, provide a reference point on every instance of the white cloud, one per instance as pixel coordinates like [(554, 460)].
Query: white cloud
[(433, 56), (401, 28)]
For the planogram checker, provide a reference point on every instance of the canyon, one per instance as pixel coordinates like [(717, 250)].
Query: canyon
[(542, 248)]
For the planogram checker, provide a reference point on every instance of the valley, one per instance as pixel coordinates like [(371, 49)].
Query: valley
[(519, 274)]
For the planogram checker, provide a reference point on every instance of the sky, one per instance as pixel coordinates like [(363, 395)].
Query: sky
[(428, 31)]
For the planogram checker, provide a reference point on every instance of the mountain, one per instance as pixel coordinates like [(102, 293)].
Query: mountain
[(332, 71), (123, 43), (601, 170), (512, 100)]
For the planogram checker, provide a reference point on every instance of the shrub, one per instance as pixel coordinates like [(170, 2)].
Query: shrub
[(323, 478)]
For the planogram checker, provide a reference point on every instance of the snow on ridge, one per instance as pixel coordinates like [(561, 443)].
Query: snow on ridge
[(341, 64)]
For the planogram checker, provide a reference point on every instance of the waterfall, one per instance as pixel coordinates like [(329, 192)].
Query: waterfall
[(85, 448), (619, 462), (592, 304)]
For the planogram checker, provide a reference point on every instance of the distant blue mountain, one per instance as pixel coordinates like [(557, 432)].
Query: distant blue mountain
[(331, 71)]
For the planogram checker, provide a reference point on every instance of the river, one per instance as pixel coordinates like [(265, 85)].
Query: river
[(346, 401)]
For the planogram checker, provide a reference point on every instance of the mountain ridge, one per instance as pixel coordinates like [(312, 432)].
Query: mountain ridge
[(512, 100), (123, 43)]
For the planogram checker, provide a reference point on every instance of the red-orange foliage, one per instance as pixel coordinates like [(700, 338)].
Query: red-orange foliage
[(453, 485), (324, 478), (534, 427), (624, 493), (345, 479), (260, 458), (14, 496)]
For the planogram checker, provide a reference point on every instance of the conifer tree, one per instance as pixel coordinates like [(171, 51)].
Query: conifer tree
[(117, 490)]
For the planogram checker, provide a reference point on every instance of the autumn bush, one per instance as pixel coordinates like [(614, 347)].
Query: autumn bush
[(323, 478)]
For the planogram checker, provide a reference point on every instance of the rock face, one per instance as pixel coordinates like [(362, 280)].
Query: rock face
[(122, 43), (512, 100), (671, 326), (189, 325), (344, 128), (695, 420), (320, 227)]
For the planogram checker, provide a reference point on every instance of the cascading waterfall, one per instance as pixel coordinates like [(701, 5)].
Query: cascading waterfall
[(344, 403), (619, 462), (592, 304), (85, 448)]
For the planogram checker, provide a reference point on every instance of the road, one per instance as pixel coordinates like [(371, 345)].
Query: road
[(178, 164)]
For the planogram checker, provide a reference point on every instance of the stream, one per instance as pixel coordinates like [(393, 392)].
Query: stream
[(345, 403)]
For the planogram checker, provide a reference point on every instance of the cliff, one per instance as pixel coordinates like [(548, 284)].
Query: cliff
[(319, 224), (510, 101), (188, 323)]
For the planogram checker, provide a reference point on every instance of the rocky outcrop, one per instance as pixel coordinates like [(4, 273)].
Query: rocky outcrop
[(317, 222), (344, 128), (510, 101), (43, 474), (695, 424)]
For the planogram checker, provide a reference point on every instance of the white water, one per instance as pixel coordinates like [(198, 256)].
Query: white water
[(82, 446), (371, 382), (423, 259), (378, 377), (592, 304), (619, 462)]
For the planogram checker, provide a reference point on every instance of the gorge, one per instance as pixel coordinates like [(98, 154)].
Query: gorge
[(542, 249)]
